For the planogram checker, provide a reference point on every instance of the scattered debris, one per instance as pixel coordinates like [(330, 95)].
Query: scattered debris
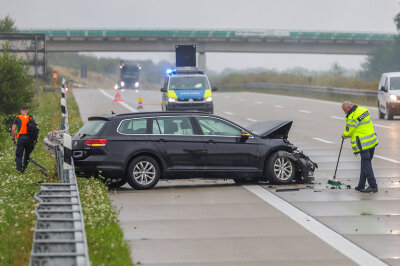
[(38, 183), (287, 189), (348, 187), (366, 213), (317, 190), (356, 229)]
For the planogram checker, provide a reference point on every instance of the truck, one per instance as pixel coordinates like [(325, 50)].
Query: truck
[(129, 73)]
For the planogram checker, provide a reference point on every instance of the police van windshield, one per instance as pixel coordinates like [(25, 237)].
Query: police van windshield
[(395, 83), (188, 83)]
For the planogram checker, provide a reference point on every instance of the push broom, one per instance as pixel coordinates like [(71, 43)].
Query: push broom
[(333, 181)]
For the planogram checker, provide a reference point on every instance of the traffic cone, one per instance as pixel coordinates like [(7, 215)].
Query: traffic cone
[(140, 103), (118, 97)]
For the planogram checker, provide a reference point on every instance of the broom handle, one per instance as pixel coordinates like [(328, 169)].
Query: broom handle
[(334, 176)]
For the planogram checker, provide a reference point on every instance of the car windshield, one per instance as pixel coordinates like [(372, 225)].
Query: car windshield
[(395, 83), (188, 83), (92, 127)]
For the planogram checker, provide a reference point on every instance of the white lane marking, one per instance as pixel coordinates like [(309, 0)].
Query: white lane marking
[(387, 159), (335, 240), (127, 106), (257, 102), (324, 141), (278, 106), (304, 111), (337, 117), (379, 125), (251, 119), (228, 113)]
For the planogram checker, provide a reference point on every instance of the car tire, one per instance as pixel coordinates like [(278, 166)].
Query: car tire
[(115, 182), (143, 173), (280, 170), (381, 115), (389, 114)]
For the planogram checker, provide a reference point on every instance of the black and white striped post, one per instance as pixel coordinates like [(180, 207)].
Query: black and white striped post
[(64, 110)]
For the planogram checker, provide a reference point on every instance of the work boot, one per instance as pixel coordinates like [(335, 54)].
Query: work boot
[(360, 189), (370, 190)]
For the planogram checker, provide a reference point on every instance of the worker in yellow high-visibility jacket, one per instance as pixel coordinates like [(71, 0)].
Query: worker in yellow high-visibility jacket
[(363, 139)]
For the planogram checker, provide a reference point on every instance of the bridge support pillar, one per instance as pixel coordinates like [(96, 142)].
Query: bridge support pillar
[(201, 61)]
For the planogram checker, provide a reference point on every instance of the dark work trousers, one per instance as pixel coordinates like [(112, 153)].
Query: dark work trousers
[(24, 146), (367, 173)]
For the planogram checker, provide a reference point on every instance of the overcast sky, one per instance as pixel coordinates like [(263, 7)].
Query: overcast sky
[(338, 15)]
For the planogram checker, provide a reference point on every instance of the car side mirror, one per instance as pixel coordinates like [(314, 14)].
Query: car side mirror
[(214, 89), (163, 89), (244, 136)]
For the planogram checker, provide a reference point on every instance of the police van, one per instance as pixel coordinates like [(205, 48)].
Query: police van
[(187, 89)]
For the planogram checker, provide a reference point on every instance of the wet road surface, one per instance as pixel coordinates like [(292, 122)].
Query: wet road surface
[(212, 222)]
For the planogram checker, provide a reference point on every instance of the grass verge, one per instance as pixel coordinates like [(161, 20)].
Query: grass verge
[(17, 221), (17, 190), (105, 238)]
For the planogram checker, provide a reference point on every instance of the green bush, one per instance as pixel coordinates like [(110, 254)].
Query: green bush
[(15, 84)]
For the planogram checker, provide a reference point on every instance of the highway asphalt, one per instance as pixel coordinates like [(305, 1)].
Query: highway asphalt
[(214, 222)]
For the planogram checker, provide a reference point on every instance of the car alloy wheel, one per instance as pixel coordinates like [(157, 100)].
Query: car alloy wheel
[(279, 169), (143, 172), (283, 169)]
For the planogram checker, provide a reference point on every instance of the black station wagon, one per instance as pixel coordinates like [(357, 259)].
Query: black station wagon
[(141, 148)]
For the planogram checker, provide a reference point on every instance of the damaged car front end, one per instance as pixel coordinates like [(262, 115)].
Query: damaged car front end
[(284, 155)]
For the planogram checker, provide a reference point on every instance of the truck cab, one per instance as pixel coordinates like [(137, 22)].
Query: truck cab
[(187, 89), (389, 95)]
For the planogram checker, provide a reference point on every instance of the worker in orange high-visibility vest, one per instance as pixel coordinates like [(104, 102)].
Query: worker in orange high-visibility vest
[(24, 143)]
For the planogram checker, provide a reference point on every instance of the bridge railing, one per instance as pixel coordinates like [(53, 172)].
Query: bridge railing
[(214, 33), (59, 235)]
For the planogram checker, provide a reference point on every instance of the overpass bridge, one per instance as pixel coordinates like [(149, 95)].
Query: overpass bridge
[(212, 40)]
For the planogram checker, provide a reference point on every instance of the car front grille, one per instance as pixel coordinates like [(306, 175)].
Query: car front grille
[(194, 100)]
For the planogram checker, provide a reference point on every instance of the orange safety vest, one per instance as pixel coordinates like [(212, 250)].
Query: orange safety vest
[(24, 121)]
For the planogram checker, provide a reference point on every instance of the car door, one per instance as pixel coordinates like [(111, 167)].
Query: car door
[(382, 93), (181, 149), (226, 153)]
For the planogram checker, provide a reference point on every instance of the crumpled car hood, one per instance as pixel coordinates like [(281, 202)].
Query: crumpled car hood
[(272, 129)]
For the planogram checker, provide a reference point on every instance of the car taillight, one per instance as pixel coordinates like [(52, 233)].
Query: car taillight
[(95, 142)]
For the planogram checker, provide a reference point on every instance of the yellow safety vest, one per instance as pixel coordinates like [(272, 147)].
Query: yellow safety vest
[(360, 130)]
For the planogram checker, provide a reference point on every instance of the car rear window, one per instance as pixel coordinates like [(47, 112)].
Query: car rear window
[(133, 126), (92, 127)]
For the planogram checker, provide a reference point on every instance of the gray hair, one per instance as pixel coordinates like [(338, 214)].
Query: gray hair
[(347, 104)]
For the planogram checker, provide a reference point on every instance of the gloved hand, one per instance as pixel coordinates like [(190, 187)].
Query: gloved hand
[(343, 136)]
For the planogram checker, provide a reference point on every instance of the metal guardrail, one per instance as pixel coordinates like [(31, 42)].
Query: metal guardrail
[(59, 237), (304, 88)]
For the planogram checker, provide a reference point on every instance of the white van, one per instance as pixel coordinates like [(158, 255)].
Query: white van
[(389, 95)]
